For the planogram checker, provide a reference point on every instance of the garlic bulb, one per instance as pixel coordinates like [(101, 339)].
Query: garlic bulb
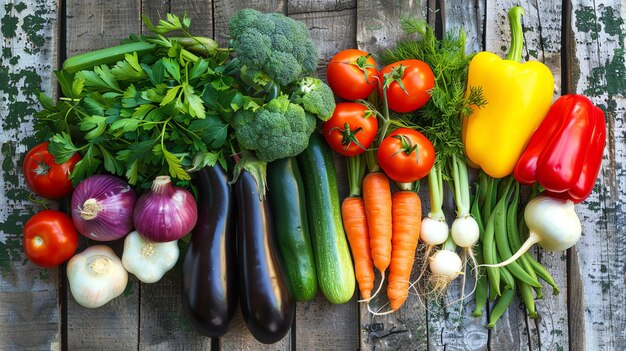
[(148, 260), (96, 276)]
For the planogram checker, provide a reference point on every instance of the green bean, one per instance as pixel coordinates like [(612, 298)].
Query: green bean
[(475, 212), (502, 242), (480, 296), (487, 207), (506, 278), (481, 191), (503, 303), (543, 273), (514, 238), (490, 257), (527, 297)]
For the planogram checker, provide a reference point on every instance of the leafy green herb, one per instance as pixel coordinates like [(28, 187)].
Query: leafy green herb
[(145, 115)]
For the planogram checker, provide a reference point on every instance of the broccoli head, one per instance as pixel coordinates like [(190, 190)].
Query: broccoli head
[(276, 45), (315, 96), (276, 130)]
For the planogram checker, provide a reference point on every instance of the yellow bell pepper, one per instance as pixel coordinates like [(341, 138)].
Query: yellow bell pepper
[(518, 98)]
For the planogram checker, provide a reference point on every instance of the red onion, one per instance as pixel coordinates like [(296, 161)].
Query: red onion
[(165, 213), (102, 207)]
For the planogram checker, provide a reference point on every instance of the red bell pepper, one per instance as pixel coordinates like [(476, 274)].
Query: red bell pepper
[(565, 153)]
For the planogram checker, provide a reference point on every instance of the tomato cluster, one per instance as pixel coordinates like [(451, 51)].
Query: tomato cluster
[(405, 155), (50, 237)]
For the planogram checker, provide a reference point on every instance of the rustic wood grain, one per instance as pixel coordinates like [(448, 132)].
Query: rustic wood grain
[(597, 70), (310, 6), (331, 31), (99, 23), (466, 15), (199, 11), (30, 316), (378, 22), (162, 324), (92, 25)]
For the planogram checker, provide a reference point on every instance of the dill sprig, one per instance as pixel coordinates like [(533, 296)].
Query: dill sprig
[(441, 119)]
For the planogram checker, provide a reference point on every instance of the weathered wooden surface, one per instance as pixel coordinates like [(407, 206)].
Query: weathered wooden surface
[(583, 43), (30, 316)]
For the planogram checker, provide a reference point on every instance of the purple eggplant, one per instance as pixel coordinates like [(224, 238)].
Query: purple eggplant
[(209, 270), (266, 305)]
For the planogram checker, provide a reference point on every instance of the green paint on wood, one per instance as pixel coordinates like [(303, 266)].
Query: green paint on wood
[(8, 25), (32, 25), (612, 22), (20, 7), (7, 53), (586, 21)]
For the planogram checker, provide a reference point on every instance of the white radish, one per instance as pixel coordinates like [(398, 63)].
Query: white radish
[(553, 224), (434, 231), (465, 231), (446, 263)]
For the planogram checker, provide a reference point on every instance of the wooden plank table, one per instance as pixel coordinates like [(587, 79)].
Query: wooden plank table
[(582, 41)]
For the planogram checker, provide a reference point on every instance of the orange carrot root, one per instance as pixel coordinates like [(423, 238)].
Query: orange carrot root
[(407, 217), (377, 200), (355, 224)]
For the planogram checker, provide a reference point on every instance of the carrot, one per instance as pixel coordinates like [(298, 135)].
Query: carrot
[(355, 224), (377, 199), (407, 218)]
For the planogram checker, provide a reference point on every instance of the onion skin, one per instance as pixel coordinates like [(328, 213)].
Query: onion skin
[(165, 213), (102, 208)]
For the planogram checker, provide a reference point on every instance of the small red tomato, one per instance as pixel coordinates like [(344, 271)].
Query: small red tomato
[(352, 74), (406, 155), (351, 129), (50, 238), (45, 177), (417, 79)]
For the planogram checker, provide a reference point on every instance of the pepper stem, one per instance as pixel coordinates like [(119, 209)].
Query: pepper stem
[(517, 35)]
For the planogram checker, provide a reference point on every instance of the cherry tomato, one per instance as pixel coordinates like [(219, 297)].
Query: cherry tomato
[(406, 155), (346, 74), (44, 176), (50, 238), (351, 129), (417, 79)]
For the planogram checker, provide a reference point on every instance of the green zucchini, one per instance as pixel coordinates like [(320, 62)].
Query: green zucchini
[(291, 227), (106, 56), (335, 272)]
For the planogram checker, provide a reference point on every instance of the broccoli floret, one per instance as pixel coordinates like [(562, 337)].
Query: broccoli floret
[(276, 130), (279, 46), (315, 96)]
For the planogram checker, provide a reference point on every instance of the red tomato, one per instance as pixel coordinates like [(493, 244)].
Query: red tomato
[(406, 155), (351, 129), (417, 78), (50, 238), (346, 74), (44, 176)]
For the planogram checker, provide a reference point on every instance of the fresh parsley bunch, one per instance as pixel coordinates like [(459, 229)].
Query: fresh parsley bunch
[(163, 111)]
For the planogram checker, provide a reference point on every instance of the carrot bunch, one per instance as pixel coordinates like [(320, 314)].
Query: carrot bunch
[(383, 232)]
